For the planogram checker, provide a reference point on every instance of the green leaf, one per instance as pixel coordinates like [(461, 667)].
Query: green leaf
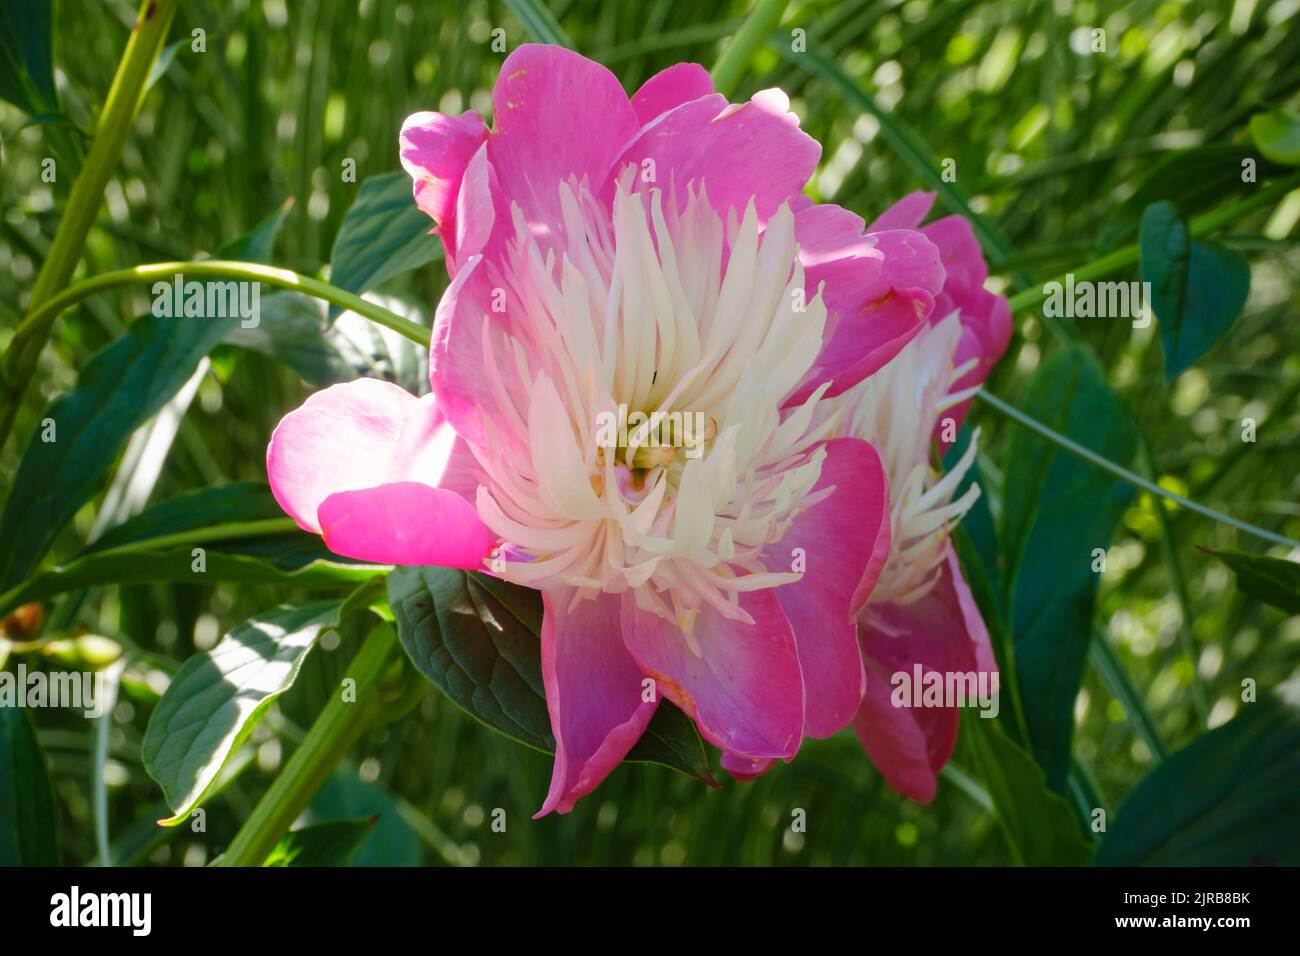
[(391, 842), (1227, 799), (257, 244), (237, 502), (27, 54), (118, 390), (383, 234), (29, 821), (1039, 825), (476, 639), (177, 564), (1197, 290), (539, 22), (164, 62), (294, 330), (1057, 510), (217, 698), (1277, 134), (1275, 581), (323, 844)]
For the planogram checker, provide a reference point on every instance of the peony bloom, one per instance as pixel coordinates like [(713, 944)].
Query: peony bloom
[(633, 372), (921, 610)]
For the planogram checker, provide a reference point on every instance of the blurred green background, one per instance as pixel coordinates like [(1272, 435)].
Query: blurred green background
[(1049, 139)]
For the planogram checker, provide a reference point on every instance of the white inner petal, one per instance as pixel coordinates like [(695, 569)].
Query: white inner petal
[(661, 308), (897, 409)]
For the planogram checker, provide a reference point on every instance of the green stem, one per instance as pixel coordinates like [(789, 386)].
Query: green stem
[(335, 731), (1126, 256), (120, 108), (1124, 474), (36, 325), (735, 58), (220, 532)]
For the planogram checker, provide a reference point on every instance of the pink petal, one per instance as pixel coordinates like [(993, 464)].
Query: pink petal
[(878, 291), (746, 768), (556, 114), (907, 213), (744, 690), (680, 83), (478, 207), (593, 693), (435, 150), (369, 438), (456, 362), (822, 606), (749, 150), (943, 632), (405, 522), (985, 316)]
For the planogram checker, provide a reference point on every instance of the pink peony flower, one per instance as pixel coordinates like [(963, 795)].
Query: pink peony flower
[(921, 610), (614, 259)]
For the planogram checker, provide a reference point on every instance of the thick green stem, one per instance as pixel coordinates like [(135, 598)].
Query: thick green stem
[(735, 58), (329, 739), (124, 98), (35, 327)]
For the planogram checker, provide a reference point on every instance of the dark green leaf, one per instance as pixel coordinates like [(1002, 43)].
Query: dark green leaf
[(391, 842), (238, 501), (1227, 799), (257, 244), (217, 698), (324, 844), (1038, 824), (293, 330), (383, 234), (476, 638), (1057, 510), (1275, 581), (1197, 290), (119, 389), (26, 54), (29, 822)]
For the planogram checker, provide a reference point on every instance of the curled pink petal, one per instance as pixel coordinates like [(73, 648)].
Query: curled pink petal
[(879, 289), (943, 632), (405, 522), (356, 435), (364, 460), (435, 151), (746, 768), (594, 693)]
